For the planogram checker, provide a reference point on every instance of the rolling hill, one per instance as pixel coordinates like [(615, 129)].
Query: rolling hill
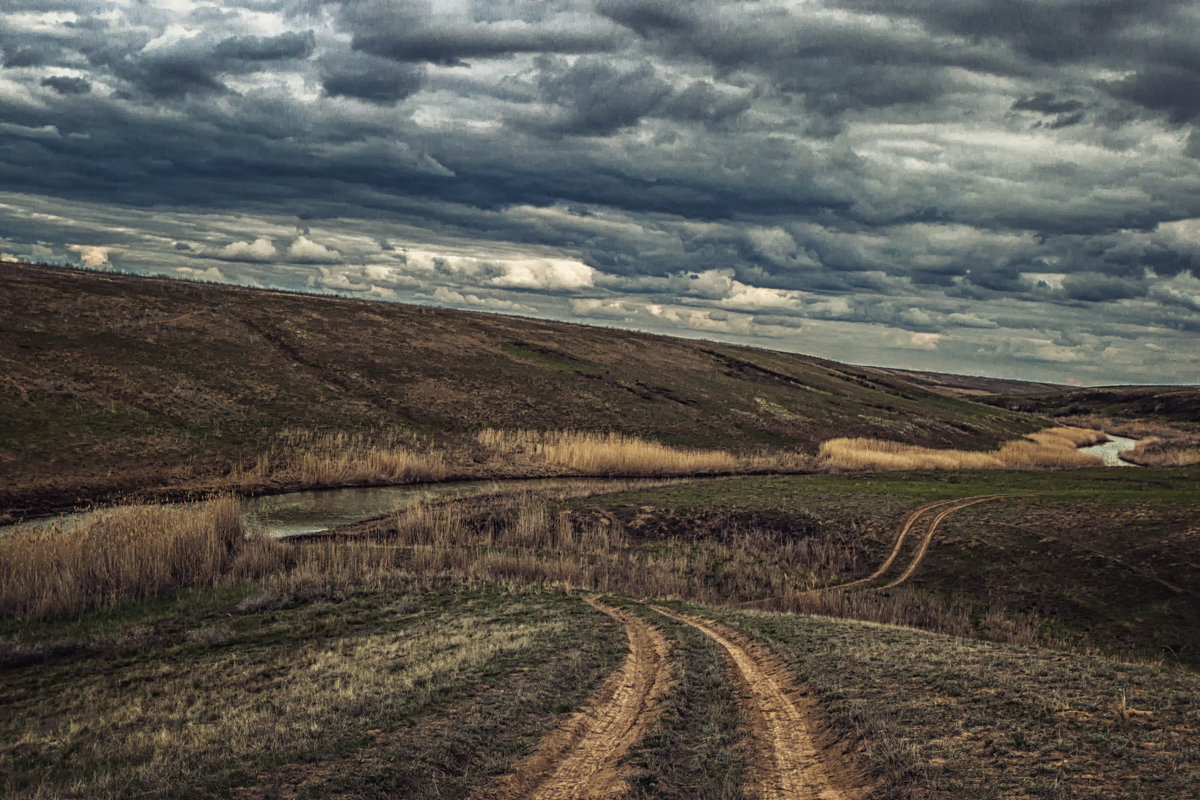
[(116, 383)]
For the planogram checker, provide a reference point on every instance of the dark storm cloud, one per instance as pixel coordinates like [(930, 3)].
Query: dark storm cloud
[(916, 167), (265, 48), (1047, 103), (651, 17), (67, 85), (596, 98), (1045, 31), (1173, 91), (414, 33), (375, 80)]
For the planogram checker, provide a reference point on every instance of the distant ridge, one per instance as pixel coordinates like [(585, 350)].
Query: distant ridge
[(952, 385)]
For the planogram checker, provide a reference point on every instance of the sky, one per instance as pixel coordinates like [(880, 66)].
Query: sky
[(995, 187)]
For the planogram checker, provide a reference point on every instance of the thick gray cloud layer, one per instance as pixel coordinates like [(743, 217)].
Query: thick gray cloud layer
[(1007, 187)]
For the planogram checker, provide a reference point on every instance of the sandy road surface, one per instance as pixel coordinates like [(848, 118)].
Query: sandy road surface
[(783, 721), (580, 760)]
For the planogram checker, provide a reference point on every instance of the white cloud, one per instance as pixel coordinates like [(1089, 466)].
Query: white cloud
[(444, 294), (743, 296), (971, 321), (598, 307), (547, 273), (260, 250), (925, 341), (306, 251), (1181, 290), (211, 274), (91, 256), (1183, 234)]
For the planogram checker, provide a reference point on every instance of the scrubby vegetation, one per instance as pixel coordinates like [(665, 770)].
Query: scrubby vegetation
[(1155, 451), (305, 458), (121, 555)]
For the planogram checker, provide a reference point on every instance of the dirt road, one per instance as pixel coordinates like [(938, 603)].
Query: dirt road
[(911, 521), (580, 760), (783, 721), (957, 505)]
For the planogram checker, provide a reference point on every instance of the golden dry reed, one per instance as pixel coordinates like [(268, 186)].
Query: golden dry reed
[(1054, 448), (1157, 452), (607, 453), (124, 554), (341, 459)]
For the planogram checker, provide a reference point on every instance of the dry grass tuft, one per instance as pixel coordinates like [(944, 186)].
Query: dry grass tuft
[(1055, 448), (607, 453), (1178, 451), (129, 553), (341, 459)]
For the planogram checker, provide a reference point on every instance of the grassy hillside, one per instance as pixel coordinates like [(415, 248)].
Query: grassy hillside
[(114, 383)]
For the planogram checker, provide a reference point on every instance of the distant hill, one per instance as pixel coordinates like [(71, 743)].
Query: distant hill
[(967, 385), (115, 382), (1174, 404)]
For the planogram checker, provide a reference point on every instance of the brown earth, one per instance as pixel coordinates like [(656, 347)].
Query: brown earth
[(582, 759), (793, 757)]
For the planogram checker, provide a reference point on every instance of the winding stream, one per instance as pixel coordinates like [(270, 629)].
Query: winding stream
[(1109, 451)]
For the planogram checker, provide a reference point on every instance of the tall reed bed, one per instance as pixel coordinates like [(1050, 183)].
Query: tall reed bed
[(1180, 451), (124, 554), (607, 453), (1055, 448), (343, 459)]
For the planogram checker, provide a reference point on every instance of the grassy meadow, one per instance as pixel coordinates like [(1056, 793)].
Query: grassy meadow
[(427, 652), (1043, 643)]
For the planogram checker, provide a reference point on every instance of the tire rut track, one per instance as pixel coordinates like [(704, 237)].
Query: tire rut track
[(944, 508), (784, 724), (909, 520), (919, 556), (581, 759)]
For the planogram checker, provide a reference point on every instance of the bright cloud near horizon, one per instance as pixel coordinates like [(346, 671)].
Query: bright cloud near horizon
[(996, 187)]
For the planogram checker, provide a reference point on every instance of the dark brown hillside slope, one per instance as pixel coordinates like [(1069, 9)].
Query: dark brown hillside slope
[(113, 382)]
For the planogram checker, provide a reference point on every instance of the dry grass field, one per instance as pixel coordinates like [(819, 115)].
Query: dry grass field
[(427, 653)]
